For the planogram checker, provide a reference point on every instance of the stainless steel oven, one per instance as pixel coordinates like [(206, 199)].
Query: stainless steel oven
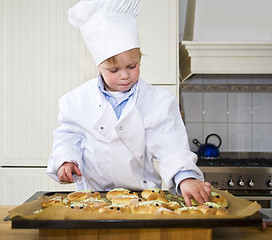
[(247, 174)]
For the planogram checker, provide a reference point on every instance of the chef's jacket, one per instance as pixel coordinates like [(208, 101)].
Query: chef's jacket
[(112, 152)]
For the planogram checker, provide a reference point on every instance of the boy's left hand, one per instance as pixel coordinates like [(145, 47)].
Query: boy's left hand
[(193, 188)]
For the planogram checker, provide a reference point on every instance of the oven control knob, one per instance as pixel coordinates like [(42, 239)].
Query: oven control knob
[(241, 183), (269, 183), (231, 183), (251, 183)]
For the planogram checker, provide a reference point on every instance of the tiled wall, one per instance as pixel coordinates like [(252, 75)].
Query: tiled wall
[(236, 107)]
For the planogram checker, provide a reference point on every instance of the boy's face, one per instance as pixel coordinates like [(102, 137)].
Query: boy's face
[(122, 75)]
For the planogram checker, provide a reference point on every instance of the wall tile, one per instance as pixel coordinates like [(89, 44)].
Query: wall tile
[(262, 137), (194, 130), (220, 129), (262, 78), (262, 107), (215, 107), (215, 79), (236, 107), (239, 107), (193, 102), (239, 79), (239, 137), (196, 79)]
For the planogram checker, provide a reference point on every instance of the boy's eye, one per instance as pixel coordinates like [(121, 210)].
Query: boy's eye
[(114, 70), (132, 66)]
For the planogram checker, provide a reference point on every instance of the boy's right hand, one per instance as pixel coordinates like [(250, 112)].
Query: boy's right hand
[(66, 170)]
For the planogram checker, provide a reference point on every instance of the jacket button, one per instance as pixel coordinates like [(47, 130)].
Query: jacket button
[(101, 127), (144, 181), (121, 128), (142, 157)]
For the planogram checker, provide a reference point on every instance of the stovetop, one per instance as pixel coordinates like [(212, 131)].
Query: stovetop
[(238, 159), (239, 171), (227, 162)]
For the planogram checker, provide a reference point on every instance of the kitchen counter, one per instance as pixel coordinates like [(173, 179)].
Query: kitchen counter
[(233, 233), (6, 233)]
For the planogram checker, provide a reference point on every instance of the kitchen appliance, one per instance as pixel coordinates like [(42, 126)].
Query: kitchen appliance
[(244, 174), (208, 150)]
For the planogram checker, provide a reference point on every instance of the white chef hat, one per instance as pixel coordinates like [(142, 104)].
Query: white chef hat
[(108, 27)]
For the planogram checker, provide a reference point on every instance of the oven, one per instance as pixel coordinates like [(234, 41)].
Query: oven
[(244, 174)]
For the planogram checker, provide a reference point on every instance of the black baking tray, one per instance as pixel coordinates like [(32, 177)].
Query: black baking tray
[(254, 220)]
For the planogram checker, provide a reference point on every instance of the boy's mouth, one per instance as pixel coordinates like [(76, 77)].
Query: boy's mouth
[(125, 84)]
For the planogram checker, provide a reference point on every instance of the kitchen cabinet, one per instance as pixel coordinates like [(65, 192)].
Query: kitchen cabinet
[(18, 184), (42, 57), (158, 35), (225, 57), (220, 39)]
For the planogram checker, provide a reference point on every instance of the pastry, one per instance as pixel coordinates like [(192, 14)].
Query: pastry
[(156, 196), (95, 204), (119, 191), (209, 208), (153, 201), (118, 208), (219, 199), (148, 207), (173, 205), (124, 199), (81, 195), (154, 191), (188, 210), (55, 201), (80, 206), (163, 210)]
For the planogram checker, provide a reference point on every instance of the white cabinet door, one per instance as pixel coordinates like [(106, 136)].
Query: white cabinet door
[(18, 184), (42, 57), (172, 88), (158, 35)]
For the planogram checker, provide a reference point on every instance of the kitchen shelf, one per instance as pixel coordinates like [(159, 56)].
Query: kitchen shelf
[(225, 57)]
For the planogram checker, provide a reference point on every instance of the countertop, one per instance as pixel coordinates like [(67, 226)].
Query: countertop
[(233, 233), (6, 233)]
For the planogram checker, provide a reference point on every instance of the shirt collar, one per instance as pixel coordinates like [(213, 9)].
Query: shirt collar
[(101, 87)]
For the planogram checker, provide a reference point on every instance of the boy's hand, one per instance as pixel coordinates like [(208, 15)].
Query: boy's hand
[(66, 170), (192, 188)]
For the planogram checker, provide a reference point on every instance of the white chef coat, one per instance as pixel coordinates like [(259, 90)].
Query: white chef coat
[(112, 152)]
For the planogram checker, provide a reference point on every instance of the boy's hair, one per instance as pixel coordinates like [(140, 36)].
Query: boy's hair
[(135, 53)]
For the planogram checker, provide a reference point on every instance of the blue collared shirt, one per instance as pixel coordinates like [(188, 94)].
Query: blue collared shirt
[(182, 175), (117, 104)]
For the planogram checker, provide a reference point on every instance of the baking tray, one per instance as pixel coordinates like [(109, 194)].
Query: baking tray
[(253, 220)]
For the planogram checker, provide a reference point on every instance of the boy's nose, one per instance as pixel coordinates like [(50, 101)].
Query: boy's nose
[(124, 75)]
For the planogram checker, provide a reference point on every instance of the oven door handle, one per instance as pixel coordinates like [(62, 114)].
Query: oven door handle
[(255, 198)]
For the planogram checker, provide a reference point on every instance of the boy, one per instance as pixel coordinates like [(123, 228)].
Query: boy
[(113, 127)]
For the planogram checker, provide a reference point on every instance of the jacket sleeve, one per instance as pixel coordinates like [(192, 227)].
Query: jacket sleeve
[(168, 142), (68, 141)]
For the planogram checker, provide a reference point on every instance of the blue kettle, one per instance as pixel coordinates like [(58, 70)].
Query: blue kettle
[(208, 150)]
